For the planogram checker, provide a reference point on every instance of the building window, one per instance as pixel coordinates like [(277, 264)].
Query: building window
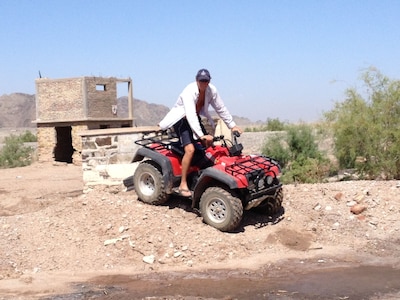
[(101, 87)]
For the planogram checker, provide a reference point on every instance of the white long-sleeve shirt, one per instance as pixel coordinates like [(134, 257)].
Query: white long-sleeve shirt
[(185, 106)]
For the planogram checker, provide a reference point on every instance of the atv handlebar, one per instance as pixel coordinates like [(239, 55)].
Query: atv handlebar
[(221, 137), (236, 133), (218, 138)]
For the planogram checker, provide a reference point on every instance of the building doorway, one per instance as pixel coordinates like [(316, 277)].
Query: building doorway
[(63, 150)]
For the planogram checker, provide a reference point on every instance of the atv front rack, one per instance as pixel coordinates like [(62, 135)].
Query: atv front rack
[(252, 164)]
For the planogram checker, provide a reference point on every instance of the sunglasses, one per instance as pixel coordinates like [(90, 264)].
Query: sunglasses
[(204, 80)]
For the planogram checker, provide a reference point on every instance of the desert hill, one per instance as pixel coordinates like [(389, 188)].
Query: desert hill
[(19, 110)]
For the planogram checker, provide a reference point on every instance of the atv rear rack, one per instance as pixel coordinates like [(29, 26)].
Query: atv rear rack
[(158, 140)]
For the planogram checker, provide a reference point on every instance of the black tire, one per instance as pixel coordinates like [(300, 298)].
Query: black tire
[(272, 205), (221, 209), (149, 184)]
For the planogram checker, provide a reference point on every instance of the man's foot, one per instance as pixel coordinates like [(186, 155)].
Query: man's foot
[(182, 192)]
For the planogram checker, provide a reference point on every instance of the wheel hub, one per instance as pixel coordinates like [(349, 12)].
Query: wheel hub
[(217, 210), (147, 184)]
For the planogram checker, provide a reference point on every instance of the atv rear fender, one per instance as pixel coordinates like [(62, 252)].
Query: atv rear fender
[(162, 161)]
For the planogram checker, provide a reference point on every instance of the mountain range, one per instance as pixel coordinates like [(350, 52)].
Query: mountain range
[(18, 110)]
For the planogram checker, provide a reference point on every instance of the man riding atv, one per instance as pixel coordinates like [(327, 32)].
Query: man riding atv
[(185, 118), (219, 180)]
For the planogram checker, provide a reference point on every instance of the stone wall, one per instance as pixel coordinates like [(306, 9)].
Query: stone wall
[(77, 142), (46, 141), (107, 154), (59, 99), (100, 102)]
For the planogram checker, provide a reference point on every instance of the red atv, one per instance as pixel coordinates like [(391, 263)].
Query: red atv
[(223, 181)]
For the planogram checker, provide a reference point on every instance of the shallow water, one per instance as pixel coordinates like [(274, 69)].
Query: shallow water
[(363, 282)]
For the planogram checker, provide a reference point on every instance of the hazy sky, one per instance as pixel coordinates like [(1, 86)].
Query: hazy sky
[(269, 59)]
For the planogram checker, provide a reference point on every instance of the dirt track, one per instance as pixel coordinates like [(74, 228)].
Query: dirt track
[(61, 238)]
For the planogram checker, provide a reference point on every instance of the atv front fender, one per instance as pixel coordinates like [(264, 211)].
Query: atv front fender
[(218, 176), (212, 175), (162, 161)]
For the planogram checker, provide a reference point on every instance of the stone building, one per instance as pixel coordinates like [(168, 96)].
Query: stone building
[(65, 107)]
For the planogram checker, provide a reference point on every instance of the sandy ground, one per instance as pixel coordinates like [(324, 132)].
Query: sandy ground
[(58, 236)]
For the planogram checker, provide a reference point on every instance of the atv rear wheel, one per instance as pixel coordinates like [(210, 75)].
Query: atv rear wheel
[(221, 208), (149, 184), (272, 205)]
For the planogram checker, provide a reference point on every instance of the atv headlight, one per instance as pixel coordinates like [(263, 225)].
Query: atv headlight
[(259, 181), (256, 180), (269, 180), (260, 184)]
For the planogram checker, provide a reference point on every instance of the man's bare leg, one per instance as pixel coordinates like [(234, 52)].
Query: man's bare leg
[(186, 160)]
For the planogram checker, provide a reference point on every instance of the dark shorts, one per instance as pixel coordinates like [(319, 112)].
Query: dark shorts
[(185, 133)]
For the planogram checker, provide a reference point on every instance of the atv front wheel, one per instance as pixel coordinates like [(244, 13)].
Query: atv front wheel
[(272, 205), (149, 184), (221, 209)]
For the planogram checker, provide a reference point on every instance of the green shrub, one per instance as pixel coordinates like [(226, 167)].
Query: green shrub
[(366, 128), (14, 153), (275, 125), (28, 137), (298, 154), (277, 148)]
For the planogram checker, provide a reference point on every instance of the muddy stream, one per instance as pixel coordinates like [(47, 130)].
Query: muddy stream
[(272, 282)]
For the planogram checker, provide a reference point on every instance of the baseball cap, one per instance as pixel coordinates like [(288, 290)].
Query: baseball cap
[(203, 74)]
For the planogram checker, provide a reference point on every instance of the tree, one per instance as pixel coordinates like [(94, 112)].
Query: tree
[(366, 128)]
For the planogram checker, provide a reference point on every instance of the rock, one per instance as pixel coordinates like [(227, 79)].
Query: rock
[(339, 196), (177, 254), (110, 241), (359, 198), (107, 228), (317, 207), (358, 209), (335, 225), (361, 217), (373, 222), (351, 203), (149, 259), (114, 241)]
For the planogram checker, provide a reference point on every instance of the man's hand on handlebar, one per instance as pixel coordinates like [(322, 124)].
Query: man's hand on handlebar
[(207, 140), (236, 131)]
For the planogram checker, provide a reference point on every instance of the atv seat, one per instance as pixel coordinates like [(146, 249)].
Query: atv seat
[(199, 157), (177, 148)]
